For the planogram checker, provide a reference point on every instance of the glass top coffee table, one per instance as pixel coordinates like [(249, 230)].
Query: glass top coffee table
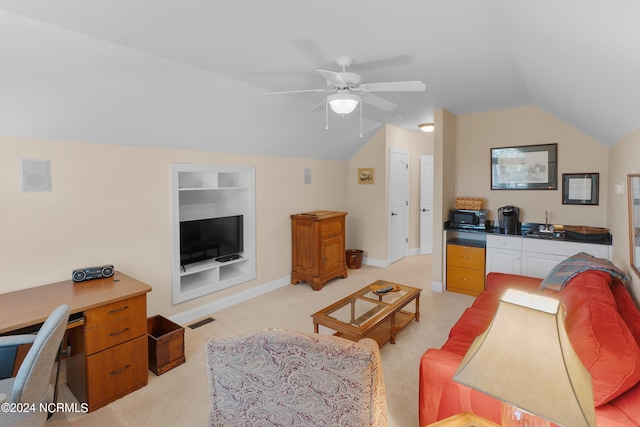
[(369, 314)]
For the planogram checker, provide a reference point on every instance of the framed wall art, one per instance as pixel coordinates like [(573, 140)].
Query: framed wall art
[(366, 176), (528, 167), (580, 188)]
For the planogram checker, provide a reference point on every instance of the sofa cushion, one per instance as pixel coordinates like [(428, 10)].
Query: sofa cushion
[(472, 323), (627, 308), (599, 335)]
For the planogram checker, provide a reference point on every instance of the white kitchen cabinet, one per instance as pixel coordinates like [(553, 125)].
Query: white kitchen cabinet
[(504, 254), (539, 256)]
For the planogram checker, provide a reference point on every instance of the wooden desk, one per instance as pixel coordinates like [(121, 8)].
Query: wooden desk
[(108, 339)]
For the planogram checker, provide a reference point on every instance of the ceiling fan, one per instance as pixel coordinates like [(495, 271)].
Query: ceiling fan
[(347, 91)]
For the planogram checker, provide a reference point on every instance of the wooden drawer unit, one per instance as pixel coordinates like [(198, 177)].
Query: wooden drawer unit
[(318, 247), (465, 257), (117, 372), (115, 311), (465, 267), (465, 280), (109, 354), (117, 332)]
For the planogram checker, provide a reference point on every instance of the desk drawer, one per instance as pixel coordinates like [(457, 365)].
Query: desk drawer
[(331, 228), (117, 371), (114, 333), (116, 310), (465, 279), (465, 256)]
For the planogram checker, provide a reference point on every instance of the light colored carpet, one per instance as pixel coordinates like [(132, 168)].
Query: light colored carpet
[(181, 395)]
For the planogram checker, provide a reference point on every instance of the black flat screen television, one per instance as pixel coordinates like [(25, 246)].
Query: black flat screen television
[(210, 238)]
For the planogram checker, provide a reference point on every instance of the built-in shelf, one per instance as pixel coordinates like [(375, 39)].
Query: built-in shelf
[(208, 191)]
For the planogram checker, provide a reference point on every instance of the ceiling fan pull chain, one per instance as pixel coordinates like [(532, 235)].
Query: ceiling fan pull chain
[(361, 119), (326, 115)]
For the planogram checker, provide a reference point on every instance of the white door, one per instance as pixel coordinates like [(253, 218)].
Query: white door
[(398, 205), (426, 205)]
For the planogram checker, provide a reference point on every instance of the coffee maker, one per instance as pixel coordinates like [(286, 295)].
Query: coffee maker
[(509, 219)]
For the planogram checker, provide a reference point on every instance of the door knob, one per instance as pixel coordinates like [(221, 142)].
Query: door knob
[(393, 213)]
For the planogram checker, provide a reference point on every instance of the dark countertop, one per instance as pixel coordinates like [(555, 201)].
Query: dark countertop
[(526, 227)]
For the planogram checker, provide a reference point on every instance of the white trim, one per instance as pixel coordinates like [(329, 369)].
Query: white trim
[(437, 287), (204, 310), (376, 262)]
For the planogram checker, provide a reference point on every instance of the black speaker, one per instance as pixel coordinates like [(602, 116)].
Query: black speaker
[(90, 273)]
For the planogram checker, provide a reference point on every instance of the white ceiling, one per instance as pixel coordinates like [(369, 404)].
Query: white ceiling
[(191, 73)]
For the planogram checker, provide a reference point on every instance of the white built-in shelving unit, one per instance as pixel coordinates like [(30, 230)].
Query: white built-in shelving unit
[(209, 191)]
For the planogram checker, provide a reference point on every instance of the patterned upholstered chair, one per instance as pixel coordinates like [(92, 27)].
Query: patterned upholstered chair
[(287, 378)]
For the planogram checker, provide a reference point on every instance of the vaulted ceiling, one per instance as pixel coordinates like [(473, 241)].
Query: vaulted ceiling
[(191, 74)]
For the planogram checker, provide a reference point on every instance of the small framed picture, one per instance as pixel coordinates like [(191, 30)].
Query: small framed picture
[(366, 175), (580, 188)]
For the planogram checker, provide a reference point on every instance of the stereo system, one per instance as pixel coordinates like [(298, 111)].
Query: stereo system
[(91, 273)]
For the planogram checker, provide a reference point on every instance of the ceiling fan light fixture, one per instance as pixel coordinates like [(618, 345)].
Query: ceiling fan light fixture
[(426, 127), (343, 103)]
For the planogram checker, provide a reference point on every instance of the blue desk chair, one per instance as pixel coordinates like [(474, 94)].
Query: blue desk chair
[(32, 384)]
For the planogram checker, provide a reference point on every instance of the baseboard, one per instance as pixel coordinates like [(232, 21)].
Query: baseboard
[(437, 287), (375, 262), (189, 316)]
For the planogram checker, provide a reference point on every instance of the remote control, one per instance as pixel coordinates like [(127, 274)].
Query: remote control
[(384, 290)]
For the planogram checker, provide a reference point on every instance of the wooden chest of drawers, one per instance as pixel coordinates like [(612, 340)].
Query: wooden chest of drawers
[(109, 354), (318, 247), (465, 268)]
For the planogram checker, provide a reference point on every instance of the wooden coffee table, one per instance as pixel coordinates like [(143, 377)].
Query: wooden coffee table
[(371, 315)]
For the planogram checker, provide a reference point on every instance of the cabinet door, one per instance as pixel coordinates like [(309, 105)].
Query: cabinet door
[(304, 247), (503, 261), (539, 265), (332, 246)]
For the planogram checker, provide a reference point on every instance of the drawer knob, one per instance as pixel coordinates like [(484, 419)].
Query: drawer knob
[(117, 310), (113, 334), (117, 371)]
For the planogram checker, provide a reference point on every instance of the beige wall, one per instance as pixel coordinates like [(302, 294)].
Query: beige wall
[(577, 153), (623, 160), (369, 203), (112, 204)]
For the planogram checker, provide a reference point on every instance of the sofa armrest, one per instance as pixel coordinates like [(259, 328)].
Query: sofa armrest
[(501, 281), (441, 397)]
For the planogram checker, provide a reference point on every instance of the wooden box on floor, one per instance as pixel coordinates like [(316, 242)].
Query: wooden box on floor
[(166, 344)]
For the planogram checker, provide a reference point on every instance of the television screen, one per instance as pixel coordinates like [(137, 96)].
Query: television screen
[(210, 238)]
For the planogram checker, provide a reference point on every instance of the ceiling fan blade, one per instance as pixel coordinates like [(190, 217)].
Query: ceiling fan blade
[(394, 61), (378, 102), (295, 91), (332, 77), (412, 86), (309, 49), (319, 105)]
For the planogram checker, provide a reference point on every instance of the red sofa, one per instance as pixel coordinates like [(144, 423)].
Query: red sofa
[(603, 325)]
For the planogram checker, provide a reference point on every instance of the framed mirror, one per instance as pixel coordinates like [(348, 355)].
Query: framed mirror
[(633, 190)]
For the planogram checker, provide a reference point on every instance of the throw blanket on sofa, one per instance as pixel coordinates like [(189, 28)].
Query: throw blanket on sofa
[(564, 271)]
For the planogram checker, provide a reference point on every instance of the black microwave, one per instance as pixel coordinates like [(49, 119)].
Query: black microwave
[(468, 218)]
